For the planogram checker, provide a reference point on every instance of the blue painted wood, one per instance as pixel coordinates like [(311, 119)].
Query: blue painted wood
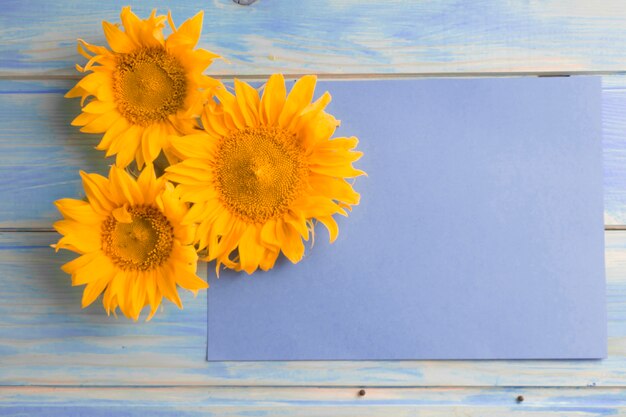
[(41, 153), (614, 141), (346, 36), (252, 401), (45, 339)]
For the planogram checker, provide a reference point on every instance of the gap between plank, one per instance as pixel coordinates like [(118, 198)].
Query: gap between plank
[(355, 76), (607, 228)]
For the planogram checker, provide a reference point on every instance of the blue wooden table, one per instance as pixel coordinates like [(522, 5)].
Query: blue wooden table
[(59, 360)]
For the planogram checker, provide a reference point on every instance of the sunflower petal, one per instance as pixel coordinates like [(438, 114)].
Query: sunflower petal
[(331, 225), (187, 34), (291, 242), (85, 238), (269, 259), (299, 98), (248, 101), (78, 210), (94, 289), (251, 250), (117, 39), (273, 99), (166, 282), (189, 280)]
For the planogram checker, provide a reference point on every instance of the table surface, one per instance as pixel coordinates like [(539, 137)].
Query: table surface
[(56, 359)]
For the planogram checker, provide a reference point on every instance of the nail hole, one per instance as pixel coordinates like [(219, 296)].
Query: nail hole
[(519, 398), (362, 393)]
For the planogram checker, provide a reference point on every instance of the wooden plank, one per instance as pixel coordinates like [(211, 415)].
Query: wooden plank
[(46, 339), (293, 401), (342, 37), (614, 142), (41, 154)]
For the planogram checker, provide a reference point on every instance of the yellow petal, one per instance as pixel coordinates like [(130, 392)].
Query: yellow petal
[(85, 238), (76, 91), (118, 289), (190, 172), (273, 99), (117, 39), (92, 82), (148, 184), (122, 215), (298, 221), (251, 250), (213, 120), (78, 210), (96, 188), (231, 108), (185, 254), (132, 24), (129, 141), (230, 240), (116, 129), (72, 266), (345, 171), (315, 206), (167, 285), (331, 225), (269, 259), (299, 98), (334, 188), (189, 280), (84, 119), (172, 206), (291, 245), (196, 193), (311, 111), (124, 188), (187, 34), (151, 142), (341, 143), (109, 302), (200, 146), (99, 107), (248, 101), (151, 287), (318, 131), (98, 268), (94, 289), (268, 234), (157, 303), (138, 295), (334, 157), (101, 123)]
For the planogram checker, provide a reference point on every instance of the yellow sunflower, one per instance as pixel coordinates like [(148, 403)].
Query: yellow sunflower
[(262, 171), (144, 90), (133, 246)]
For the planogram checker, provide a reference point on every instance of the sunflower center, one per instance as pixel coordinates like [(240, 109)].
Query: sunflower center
[(144, 243), (149, 85), (259, 172)]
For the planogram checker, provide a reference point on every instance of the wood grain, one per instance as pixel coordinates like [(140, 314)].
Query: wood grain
[(46, 339), (59, 360), (341, 37), (614, 142), (224, 401), (41, 153)]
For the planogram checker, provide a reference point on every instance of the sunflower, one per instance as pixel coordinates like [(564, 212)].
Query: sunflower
[(263, 171), (144, 90), (133, 246)]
